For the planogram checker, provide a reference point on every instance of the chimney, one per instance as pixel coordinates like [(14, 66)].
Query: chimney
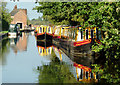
[(15, 7)]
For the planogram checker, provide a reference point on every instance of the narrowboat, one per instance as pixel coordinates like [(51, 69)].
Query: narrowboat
[(77, 40), (13, 31), (44, 33), (60, 32)]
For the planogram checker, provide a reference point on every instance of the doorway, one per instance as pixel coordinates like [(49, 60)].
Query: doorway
[(19, 25)]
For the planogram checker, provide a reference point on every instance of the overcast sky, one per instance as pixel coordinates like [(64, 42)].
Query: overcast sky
[(25, 5)]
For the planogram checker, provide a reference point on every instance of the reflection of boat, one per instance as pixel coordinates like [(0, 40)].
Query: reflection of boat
[(13, 31), (44, 48), (44, 33), (82, 71)]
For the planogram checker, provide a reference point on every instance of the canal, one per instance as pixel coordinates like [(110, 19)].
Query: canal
[(24, 60)]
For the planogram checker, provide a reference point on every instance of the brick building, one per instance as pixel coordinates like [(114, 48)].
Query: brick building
[(19, 16)]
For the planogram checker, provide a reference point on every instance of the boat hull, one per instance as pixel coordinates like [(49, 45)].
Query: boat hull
[(44, 36), (74, 48)]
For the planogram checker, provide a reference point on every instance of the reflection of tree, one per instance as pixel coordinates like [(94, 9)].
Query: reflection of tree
[(110, 72), (4, 49), (55, 72)]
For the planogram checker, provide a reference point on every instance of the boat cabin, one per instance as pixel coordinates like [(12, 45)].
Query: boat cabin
[(80, 34), (44, 29)]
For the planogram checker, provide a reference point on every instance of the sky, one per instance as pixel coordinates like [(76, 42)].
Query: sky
[(25, 5)]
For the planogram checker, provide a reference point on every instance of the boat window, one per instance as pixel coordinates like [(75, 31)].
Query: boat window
[(96, 75), (49, 29), (92, 33), (40, 29), (81, 74), (97, 34), (49, 50), (74, 35), (46, 29), (86, 34), (91, 75), (43, 50), (81, 34), (43, 29), (86, 75), (40, 50)]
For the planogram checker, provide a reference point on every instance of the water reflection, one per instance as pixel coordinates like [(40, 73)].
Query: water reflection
[(64, 69), (19, 43), (81, 70), (4, 49), (44, 48), (55, 72), (19, 68), (25, 56)]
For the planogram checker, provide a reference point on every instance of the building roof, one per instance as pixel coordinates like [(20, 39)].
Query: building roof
[(14, 11)]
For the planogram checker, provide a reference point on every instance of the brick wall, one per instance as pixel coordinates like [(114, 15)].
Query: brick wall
[(20, 17)]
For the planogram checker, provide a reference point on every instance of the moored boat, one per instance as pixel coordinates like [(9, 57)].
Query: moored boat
[(44, 33), (13, 31), (77, 39)]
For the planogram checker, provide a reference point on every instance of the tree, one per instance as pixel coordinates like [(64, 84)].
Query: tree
[(4, 16)]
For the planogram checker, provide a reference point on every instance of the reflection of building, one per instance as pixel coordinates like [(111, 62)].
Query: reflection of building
[(19, 43), (22, 43), (44, 49), (19, 16)]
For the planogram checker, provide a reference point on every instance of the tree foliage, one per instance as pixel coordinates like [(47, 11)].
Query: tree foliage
[(5, 17), (39, 21)]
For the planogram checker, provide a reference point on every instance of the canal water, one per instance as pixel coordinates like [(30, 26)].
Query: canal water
[(24, 60)]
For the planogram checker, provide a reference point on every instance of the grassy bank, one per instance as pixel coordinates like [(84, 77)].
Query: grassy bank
[(4, 32)]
